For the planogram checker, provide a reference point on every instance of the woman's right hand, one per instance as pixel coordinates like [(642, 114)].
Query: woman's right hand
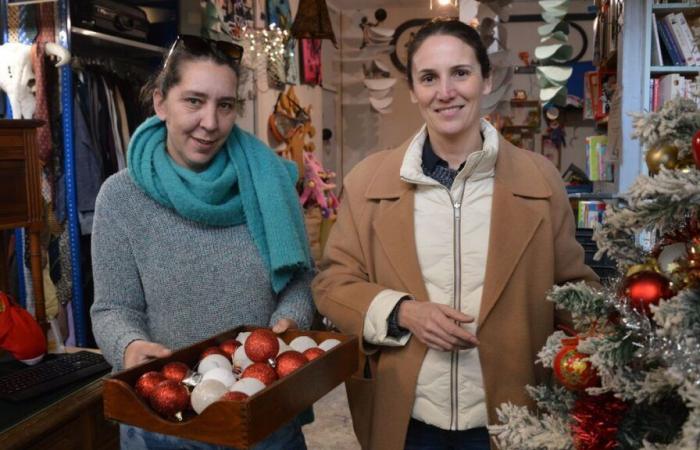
[(437, 326), (140, 351)]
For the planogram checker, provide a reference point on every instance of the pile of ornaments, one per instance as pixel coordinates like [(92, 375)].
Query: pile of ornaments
[(232, 371)]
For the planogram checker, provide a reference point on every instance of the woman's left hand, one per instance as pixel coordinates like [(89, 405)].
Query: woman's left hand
[(283, 325)]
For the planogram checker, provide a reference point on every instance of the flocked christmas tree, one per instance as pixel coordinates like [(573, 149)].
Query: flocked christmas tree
[(630, 376)]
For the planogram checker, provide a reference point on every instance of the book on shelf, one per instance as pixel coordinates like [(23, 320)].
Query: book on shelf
[(672, 85), (599, 164), (667, 40), (684, 38), (674, 40)]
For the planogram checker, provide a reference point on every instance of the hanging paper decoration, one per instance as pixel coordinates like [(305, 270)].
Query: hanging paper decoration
[(313, 21), (279, 13), (551, 75), (310, 54), (380, 84)]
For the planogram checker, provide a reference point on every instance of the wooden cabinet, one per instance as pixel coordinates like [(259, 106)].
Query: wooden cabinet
[(74, 422), (20, 195)]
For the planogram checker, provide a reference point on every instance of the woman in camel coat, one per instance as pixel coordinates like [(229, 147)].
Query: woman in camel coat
[(441, 259)]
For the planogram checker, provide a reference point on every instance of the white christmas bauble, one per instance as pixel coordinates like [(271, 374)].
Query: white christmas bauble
[(669, 255), (240, 359), (328, 344), (220, 374), (283, 346), (242, 336), (248, 386), (213, 361), (302, 343), (206, 393)]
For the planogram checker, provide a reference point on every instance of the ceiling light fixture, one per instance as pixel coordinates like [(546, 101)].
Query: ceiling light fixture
[(443, 3)]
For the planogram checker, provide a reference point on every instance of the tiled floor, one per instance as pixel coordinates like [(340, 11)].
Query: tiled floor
[(332, 429)]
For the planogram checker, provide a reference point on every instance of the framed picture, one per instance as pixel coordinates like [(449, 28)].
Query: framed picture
[(279, 13), (310, 55), (236, 15), (551, 151)]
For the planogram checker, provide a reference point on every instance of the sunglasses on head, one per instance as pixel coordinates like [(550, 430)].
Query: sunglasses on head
[(199, 46)]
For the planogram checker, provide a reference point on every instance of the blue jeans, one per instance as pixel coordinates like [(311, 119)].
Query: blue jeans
[(287, 437), (422, 436)]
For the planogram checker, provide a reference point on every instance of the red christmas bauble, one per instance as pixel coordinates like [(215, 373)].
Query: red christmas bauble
[(696, 148), (571, 369), (261, 371), (235, 396), (175, 370), (261, 345), (213, 350), (147, 383), (313, 353), (289, 361), (170, 398), (229, 346), (645, 289)]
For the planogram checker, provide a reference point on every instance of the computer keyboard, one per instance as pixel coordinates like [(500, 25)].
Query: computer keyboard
[(52, 374)]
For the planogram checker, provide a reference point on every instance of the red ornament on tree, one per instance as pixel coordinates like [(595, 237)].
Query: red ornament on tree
[(170, 398), (571, 369), (175, 370), (262, 345), (289, 361), (148, 382), (235, 396), (212, 351), (261, 371), (696, 148), (229, 346), (313, 353), (645, 287)]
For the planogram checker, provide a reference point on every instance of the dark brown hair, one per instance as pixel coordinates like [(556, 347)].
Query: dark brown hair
[(448, 27), (170, 73)]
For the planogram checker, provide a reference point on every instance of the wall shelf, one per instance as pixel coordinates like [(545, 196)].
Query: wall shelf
[(674, 69), (674, 7), (110, 40)]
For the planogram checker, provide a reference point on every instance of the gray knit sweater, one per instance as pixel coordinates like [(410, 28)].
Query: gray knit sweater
[(166, 279)]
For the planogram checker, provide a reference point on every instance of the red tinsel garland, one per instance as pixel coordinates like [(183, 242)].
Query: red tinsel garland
[(596, 421)]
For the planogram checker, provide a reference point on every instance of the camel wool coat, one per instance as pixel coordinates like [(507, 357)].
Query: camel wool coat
[(372, 247)]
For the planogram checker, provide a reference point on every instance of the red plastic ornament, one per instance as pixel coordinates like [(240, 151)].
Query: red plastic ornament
[(148, 382), (229, 346), (261, 371), (261, 345), (313, 353), (235, 396), (571, 369), (170, 398), (212, 351), (175, 370), (696, 148), (647, 288), (289, 361)]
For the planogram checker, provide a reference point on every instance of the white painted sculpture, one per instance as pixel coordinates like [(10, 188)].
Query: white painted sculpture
[(17, 76)]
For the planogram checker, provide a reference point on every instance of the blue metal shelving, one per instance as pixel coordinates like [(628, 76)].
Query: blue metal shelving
[(78, 310)]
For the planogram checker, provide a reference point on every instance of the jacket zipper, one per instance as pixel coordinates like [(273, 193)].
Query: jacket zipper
[(457, 298), (457, 304)]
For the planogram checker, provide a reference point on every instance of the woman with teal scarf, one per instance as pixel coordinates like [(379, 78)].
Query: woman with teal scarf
[(203, 232)]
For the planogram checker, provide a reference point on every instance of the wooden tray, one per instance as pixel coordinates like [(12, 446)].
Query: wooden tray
[(236, 424)]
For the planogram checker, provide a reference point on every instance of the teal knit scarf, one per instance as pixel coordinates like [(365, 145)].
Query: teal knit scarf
[(244, 183)]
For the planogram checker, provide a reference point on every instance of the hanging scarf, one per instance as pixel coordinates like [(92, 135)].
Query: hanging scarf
[(244, 183)]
